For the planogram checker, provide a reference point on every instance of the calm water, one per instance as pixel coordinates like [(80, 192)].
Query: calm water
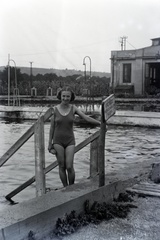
[(124, 145)]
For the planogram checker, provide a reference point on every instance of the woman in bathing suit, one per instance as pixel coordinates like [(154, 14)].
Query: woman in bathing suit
[(61, 136)]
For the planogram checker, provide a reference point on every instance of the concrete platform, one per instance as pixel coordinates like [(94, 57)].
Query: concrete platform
[(39, 215), (136, 118), (130, 118), (22, 113)]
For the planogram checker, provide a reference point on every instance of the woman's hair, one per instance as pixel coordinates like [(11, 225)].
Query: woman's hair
[(65, 88)]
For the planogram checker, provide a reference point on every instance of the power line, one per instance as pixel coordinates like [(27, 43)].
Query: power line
[(131, 45), (64, 49)]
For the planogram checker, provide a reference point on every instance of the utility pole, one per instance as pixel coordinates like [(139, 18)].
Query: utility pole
[(31, 75), (123, 42)]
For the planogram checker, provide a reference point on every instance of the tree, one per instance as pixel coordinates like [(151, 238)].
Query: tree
[(15, 75)]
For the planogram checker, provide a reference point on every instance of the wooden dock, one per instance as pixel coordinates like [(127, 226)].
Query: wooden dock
[(146, 188)]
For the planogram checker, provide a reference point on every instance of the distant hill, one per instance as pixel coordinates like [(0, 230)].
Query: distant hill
[(59, 72)]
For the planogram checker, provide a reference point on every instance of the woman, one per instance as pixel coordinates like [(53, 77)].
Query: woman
[(61, 137)]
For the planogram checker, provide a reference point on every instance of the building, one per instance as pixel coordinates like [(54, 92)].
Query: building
[(136, 72)]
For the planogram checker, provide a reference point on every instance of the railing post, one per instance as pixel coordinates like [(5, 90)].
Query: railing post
[(94, 158), (107, 110), (39, 157), (101, 152)]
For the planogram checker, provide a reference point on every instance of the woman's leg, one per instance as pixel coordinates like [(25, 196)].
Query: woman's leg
[(60, 154), (69, 156)]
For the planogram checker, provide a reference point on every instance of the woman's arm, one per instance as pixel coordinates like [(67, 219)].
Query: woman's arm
[(85, 117), (51, 132)]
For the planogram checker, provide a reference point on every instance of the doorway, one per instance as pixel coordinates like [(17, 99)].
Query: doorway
[(152, 78)]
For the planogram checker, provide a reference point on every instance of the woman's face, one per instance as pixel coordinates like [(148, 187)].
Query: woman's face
[(66, 97)]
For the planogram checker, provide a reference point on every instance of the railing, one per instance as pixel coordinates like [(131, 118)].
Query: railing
[(93, 139), (97, 141), (38, 130)]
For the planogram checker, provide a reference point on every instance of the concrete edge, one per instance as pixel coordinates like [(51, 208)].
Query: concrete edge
[(42, 224)]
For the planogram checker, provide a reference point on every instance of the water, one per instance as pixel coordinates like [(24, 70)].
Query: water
[(124, 146)]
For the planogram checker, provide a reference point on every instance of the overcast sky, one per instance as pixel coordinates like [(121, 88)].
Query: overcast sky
[(60, 33)]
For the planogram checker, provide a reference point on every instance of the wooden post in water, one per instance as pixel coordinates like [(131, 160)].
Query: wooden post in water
[(39, 157), (94, 158), (108, 110)]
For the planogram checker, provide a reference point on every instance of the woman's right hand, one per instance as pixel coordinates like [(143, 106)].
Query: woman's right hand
[(53, 151), (49, 147)]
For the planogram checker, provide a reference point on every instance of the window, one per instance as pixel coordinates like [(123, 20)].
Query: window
[(127, 73)]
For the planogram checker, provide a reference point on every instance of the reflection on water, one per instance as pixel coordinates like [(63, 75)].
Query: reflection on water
[(124, 146)]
